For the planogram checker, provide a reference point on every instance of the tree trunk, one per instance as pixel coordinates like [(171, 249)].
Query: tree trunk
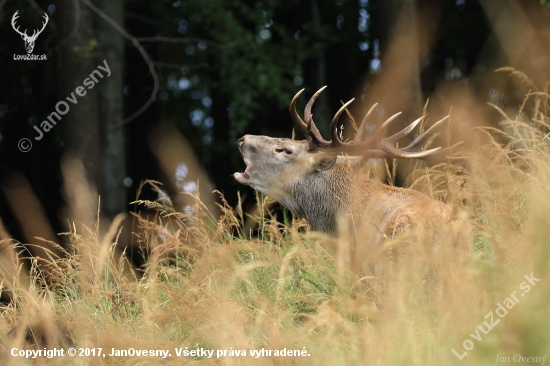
[(111, 111), (398, 87), (321, 108), (81, 124)]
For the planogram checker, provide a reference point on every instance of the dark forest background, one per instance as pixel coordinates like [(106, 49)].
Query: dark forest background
[(190, 77)]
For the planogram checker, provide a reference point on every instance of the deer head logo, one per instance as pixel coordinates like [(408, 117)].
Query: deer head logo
[(29, 40)]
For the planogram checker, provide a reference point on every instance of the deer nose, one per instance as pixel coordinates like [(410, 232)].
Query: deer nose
[(240, 142)]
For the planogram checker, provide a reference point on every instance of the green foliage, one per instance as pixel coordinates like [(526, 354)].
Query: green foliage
[(250, 55), (255, 56)]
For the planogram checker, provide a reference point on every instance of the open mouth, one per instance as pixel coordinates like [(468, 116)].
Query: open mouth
[(242, 177)]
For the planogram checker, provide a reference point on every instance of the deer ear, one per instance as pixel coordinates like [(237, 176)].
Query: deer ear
[(324, 162)]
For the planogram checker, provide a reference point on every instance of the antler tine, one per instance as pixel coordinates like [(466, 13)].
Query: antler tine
[(309, 105), (14, 26), (399, 135), (14, 17), (419, 139), (316, 139), (296, 117), (389, 120), (372, 145), (359, 134), (46, 18), (335, 139), (380, 131), (399, 153), (313, 131), (388, 143)]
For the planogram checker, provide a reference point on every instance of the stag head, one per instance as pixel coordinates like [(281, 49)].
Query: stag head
[(272, 161), (29, 40)]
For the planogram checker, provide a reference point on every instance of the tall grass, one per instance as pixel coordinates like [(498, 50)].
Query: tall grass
[(287, 287)]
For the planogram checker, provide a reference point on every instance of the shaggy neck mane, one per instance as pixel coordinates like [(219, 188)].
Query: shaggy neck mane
[(320, 196)]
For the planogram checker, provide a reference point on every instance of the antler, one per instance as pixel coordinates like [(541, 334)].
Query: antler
[(15, 16), (373, 147), (24, 34), (310, 131), (37, 32)]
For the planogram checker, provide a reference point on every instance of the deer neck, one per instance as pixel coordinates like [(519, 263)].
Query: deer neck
[(320, 197)]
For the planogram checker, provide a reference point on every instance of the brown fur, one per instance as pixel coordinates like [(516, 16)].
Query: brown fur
[(323, 188)]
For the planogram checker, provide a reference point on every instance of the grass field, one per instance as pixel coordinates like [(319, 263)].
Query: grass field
[(285, 297)]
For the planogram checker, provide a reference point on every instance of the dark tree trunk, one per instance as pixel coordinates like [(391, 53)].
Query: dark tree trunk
[(111, 48), (81, 124), (321, 108), (93, 130), (398, 87)]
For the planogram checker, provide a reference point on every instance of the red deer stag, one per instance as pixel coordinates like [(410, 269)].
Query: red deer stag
[(314, 179)]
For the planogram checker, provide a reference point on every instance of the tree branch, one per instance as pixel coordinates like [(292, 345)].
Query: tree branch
[(148, 60)]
